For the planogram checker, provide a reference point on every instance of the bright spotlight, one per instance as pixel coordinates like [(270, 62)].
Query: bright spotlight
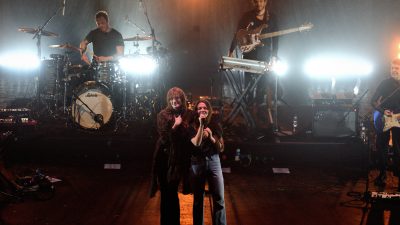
[(280, 67), (138, 64), (20, 61), (339, 67)]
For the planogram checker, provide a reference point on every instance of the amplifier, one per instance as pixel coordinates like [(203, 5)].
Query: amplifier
[(335, 121), (16, 116)]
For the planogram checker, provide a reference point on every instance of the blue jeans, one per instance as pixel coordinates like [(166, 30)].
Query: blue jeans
[(202, 170)]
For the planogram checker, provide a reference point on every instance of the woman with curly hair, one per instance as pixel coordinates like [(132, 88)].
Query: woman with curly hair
[(172, 155)]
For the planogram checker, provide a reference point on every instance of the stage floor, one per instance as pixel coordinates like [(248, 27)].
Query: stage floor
[(320, 182)]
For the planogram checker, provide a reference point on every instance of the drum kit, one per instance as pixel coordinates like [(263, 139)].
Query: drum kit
[(88, 96)]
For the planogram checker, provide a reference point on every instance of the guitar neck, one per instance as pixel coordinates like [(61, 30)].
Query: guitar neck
[(278, 33)]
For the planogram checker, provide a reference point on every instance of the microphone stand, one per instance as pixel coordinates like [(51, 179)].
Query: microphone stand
[(98, 118), (354, 106), (38, 36)]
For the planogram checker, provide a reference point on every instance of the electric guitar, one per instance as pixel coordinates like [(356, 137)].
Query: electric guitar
[(248, 40), (384, 123)]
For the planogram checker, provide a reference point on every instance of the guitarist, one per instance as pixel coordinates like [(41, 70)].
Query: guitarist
[(386, 101), (253, 19)]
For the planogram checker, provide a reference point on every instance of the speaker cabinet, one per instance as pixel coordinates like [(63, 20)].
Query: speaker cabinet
[(335, 122)]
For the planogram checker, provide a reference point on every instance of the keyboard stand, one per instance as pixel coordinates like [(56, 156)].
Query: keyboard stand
[(239, 102)]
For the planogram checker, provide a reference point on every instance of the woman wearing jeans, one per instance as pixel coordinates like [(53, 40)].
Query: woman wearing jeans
[(206, 165)]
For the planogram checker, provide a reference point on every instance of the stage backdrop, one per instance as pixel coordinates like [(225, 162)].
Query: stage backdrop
[(198, 32)]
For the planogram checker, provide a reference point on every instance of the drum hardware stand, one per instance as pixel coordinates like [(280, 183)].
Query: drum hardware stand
[(124, 108), (66, 79), (38, 35)]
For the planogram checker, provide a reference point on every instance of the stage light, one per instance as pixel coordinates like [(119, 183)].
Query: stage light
[(338, 67), (398, 52), (280, 67), (20, 61), (356, 88), (138, 64)]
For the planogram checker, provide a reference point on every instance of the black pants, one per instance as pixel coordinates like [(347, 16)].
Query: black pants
[(169, 207), (382, 146)]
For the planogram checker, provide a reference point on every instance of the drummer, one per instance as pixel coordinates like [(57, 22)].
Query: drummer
[(108, 44)]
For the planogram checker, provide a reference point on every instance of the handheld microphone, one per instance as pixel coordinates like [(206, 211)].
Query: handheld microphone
[(204, 122), (63, 10)]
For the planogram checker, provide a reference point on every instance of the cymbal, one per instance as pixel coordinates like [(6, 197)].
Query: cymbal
[(33, 31), (65, 46), (139, 38)]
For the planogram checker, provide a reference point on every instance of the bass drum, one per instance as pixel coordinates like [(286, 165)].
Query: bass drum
[(91, 105)]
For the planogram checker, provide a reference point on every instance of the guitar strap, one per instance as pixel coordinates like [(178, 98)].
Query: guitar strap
[(389, 96)]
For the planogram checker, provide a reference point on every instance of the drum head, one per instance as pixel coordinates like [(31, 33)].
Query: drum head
[(92, 106)]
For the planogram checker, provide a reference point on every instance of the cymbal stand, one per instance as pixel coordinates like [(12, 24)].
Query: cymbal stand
[(152, 34), (38, 36), (56, 96), (124, 89), (65, 110), (154, 41)]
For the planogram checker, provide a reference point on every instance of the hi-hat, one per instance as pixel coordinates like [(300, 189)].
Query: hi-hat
[(34, 31), (139, 38), (65, 46)]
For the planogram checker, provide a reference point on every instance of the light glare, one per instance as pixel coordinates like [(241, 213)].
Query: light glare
[(138, 64), (280, 67), (337, 67), (20, 61)]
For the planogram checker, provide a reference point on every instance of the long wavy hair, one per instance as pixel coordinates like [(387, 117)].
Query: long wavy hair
[(176, 92), (208, 104)]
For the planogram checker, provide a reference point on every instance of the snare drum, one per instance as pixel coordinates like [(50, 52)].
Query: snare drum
[(91, 105)]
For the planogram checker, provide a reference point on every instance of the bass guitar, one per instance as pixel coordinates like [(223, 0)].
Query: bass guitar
[(248, 40), (384, 123)]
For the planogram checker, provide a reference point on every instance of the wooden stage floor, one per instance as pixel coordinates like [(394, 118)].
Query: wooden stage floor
[(324, 185)]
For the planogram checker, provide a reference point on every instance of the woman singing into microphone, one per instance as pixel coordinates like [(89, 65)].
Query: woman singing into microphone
[(206, 165)]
